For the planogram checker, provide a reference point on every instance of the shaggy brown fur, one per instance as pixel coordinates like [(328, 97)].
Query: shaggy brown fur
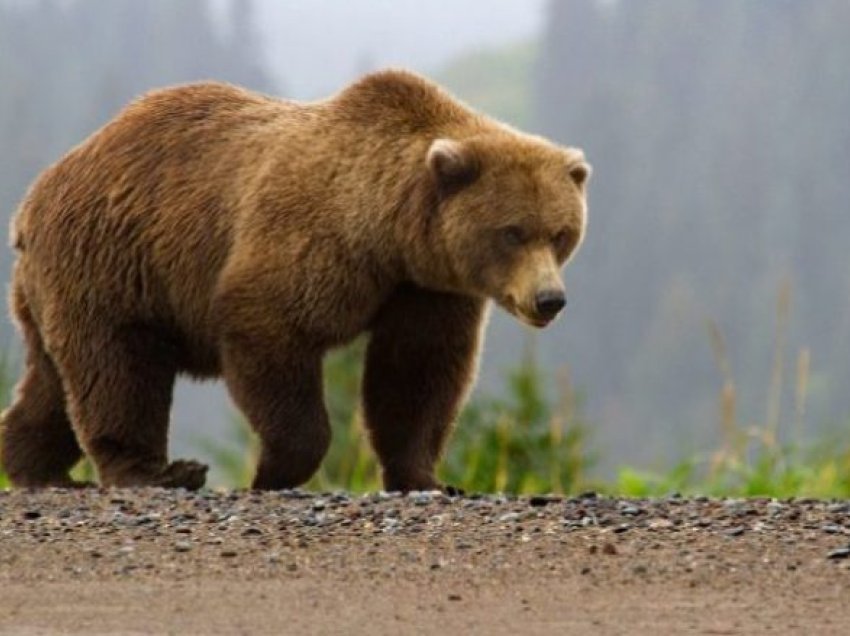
[(216, 232)]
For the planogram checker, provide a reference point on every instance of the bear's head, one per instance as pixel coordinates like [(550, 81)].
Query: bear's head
[(510, 213)]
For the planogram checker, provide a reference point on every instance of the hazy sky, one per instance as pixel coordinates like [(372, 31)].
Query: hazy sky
[(314, 47)]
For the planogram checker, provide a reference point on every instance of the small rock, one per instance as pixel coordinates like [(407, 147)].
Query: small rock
[(421, 498), (840, 553), (182, 546), (774, 508), (737, 531)]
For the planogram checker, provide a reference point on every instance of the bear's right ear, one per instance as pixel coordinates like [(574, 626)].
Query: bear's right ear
[(452, 164)]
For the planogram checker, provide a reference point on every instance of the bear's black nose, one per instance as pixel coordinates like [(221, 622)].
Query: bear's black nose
[(549, 302)]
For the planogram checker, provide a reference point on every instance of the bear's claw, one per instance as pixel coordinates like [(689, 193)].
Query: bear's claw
[(453, 491)]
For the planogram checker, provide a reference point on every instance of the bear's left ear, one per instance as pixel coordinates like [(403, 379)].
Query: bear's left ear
[(453, 165)]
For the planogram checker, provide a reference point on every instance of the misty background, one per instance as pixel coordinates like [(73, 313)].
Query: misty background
[(718, 131)]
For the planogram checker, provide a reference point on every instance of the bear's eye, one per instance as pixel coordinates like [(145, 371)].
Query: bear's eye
[(513, 235), (561, 241)]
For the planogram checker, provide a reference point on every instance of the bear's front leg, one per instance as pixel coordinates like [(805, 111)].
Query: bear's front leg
[(280, 393), (420, 362)]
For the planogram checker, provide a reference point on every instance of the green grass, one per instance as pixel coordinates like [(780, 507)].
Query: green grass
[(751, 460), (769, 472)]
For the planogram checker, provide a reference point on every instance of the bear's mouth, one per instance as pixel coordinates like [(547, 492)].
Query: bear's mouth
[(540, 323), (511, 306)]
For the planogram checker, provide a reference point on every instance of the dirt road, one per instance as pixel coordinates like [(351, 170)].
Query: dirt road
[(155, 561)]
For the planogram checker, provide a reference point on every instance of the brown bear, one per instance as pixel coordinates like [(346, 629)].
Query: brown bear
[(217, 232)]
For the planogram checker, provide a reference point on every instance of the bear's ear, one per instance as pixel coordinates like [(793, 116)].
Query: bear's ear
[(580, 173), (453, 165)]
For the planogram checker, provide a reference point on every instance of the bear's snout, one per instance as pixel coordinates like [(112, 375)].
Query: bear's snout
[(549, 302)]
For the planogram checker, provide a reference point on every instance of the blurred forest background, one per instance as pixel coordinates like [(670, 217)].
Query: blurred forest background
[(713, 290)]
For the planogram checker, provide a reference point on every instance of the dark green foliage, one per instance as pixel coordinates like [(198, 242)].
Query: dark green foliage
[(520, 441)]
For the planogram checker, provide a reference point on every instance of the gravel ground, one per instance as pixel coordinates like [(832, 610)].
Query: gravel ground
[(159, 561)]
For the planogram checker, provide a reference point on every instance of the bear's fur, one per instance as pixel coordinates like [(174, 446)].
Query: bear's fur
[(213, 231)]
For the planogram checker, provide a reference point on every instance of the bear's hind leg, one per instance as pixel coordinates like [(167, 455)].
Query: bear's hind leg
[(119, 389), (38, 444), (419, 364)]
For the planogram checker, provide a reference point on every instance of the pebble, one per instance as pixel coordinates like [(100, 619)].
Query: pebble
[(464, 531), (840, 553), (421, 498), (660, 524)]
